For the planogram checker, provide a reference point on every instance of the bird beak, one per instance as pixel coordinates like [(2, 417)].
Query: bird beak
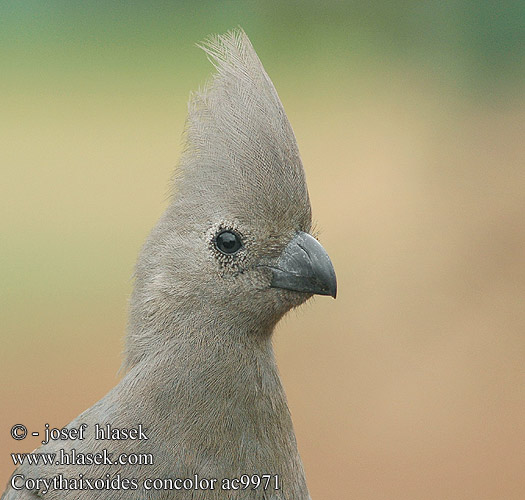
[(304, 266)]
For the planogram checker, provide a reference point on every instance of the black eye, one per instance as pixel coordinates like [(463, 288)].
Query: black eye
[(228, 242)]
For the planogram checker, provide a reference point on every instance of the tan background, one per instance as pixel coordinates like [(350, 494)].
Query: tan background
[(410, 120)]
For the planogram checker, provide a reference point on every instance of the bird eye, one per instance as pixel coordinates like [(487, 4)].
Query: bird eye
[(228, 242)]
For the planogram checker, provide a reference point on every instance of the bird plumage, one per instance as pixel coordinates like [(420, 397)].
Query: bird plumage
[(200, 373)]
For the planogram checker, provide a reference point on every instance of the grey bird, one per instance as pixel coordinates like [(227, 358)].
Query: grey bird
[(201, 397)]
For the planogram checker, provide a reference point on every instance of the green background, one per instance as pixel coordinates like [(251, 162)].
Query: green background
[(410, 120)]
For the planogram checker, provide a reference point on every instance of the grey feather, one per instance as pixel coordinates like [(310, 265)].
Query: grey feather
[(201, 373)]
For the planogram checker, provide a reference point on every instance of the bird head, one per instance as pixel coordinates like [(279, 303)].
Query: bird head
[(233, 250)]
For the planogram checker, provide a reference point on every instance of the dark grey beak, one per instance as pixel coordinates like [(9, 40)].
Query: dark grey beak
[(304, 266)]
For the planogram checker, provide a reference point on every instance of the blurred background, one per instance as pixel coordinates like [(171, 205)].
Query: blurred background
[(410, 118)]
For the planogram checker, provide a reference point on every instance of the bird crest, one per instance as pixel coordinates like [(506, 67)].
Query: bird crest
[(240, 147)]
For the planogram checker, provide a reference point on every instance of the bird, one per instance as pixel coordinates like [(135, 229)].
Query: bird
[(200, 411)]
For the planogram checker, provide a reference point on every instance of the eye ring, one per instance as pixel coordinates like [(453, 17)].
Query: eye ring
[(228, 242)]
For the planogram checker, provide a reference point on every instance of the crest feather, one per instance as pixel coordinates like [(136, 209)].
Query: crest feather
[(239, 143)]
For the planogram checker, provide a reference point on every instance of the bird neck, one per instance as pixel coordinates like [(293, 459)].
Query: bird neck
[(217, 367), (218, 394), (222, 364)]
